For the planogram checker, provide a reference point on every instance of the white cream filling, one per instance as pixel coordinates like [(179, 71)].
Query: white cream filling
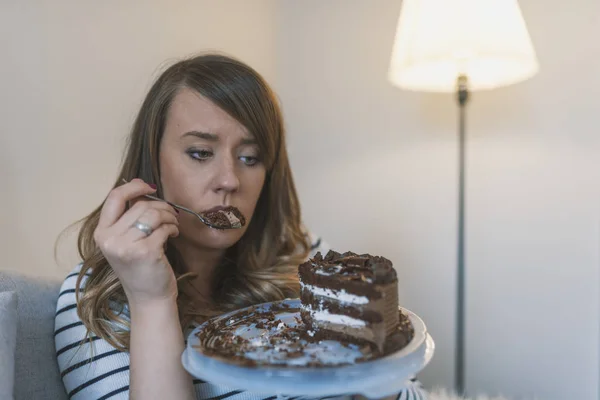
[(326, 316), (340, 295), (336, 269)]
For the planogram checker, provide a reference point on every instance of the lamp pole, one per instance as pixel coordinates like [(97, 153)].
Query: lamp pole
[(462, 94)]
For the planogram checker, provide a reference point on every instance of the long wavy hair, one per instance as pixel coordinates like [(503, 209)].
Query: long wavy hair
[(262, 265)]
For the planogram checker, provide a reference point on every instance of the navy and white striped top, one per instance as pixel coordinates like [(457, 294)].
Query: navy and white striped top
[(96, 370)]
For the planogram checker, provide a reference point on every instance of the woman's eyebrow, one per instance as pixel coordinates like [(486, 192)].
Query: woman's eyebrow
[(248, 140), (202, 135), (211, 137)]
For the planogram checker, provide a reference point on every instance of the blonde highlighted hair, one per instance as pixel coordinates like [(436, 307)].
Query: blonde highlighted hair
[(262, 266)]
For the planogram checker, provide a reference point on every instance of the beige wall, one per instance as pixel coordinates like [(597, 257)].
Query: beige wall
[(376, 168), (72, 76)]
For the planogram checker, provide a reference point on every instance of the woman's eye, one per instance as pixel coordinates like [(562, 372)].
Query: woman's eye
[(249, 160), (200, 155)]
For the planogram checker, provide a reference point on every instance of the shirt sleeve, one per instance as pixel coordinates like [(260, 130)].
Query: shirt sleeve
[(90, 367)]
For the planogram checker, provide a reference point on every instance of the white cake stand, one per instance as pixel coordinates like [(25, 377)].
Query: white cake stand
[(378, 378)]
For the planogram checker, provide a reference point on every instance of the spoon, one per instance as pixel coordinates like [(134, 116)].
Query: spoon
[(226, 218)]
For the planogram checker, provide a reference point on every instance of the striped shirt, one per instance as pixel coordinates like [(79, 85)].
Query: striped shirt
[(96, 370)]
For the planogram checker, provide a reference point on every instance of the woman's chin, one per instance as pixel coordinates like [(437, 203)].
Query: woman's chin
[(221, 239), (211, 238)]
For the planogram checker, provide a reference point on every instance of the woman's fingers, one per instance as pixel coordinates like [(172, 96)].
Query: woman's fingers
[(140, 208), (160, 235), (117, 199), (151, 247), (153, 218)]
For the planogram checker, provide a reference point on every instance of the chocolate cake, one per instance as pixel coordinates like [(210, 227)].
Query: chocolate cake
[(225, 218), (352, 297)]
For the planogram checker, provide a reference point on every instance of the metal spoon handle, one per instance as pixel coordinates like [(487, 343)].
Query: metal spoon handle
[(182, 208)]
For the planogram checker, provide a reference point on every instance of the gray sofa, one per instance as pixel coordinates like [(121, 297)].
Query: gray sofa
[(36, 374)]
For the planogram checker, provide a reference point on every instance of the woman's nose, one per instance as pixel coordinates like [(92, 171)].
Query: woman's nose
[(227, 178)]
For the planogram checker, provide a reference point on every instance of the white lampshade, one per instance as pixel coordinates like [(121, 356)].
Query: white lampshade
[(438, 40)]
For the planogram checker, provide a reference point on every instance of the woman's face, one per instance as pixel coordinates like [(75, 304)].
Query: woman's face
[(207, 160)]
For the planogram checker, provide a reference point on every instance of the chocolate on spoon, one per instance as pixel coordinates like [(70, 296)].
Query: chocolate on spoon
[(225, 218)]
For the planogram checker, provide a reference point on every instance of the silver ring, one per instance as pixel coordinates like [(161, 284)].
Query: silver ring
[(147, 229)]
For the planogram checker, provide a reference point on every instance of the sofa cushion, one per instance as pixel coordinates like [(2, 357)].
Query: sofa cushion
[(8, 339), (36, 369)]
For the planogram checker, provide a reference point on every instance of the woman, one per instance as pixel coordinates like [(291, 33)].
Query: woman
[(209, 134)]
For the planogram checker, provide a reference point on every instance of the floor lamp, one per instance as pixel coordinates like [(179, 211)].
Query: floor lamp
[(459, 46)]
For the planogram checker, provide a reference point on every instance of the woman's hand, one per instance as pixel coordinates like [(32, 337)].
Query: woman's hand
[(138, 258)]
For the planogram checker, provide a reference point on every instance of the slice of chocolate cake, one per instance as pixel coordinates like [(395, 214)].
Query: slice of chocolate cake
[(349, 297)]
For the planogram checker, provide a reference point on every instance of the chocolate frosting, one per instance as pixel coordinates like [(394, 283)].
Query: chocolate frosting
[(356, 267), (357, 274)]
